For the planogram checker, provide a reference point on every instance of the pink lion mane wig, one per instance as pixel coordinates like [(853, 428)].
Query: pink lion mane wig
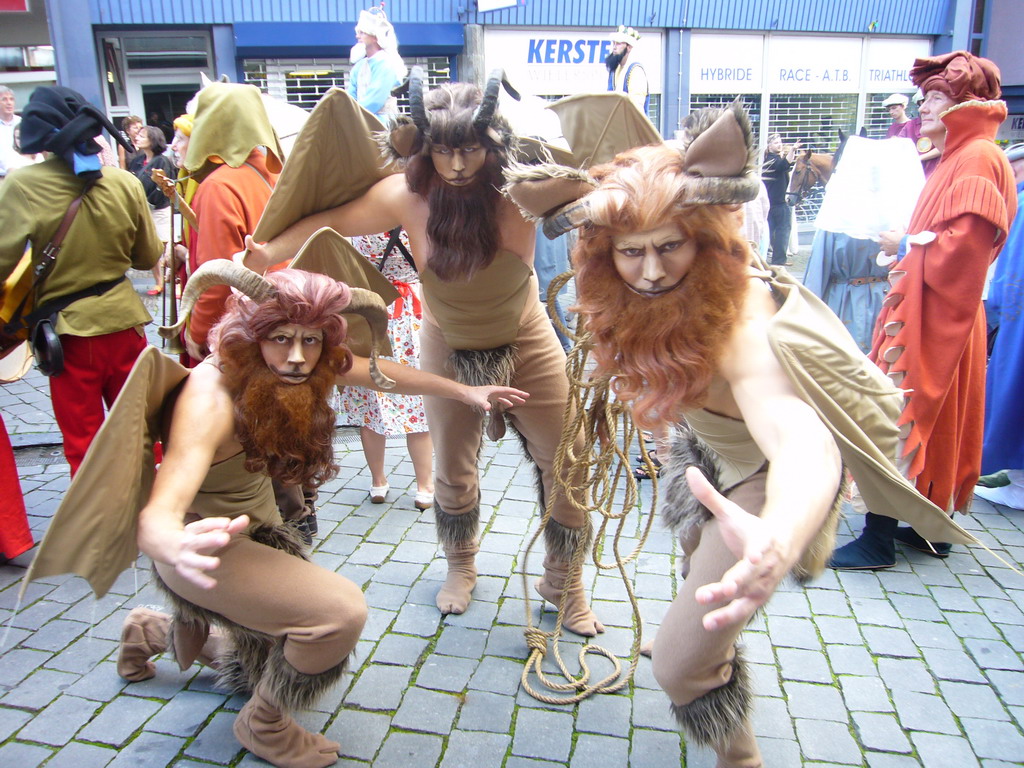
[(286, 430), (661, 352)]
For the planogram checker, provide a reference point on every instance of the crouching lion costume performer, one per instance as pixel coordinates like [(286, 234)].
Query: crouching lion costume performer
[(246, 598), (769, 391)]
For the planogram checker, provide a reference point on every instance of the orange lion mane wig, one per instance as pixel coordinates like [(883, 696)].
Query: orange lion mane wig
[(286, 430), (660, 352)]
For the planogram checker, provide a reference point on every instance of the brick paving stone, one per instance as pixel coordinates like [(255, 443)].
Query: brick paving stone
[(543, 735), (607, 715), (23, 755), (850, 660), (887, 760), (1009, 686), (981, 586), (807, 666), (387, 596), (881, 732), (902, 582), (216, 742), (952, 665), (497, 676), (972, 625), (83, 755), (359, 733), (906, 675), (484, 711), (791, 632), (771, 718), (60, 721), (953, 598), (82, 655), (404, 650), (875, 611), (18, 664), (475, 750), (828, 602), (860, 584), (654, 749), (865, 694), (765, 679), (592, 751), (886, 641), (421, 620), (480, 615), (916, 607), (424, 710), (56, 634), (651, 710), (445, 673), (943, 751), (379, 687), (757, 647), (836, 629), (827, 741), (185, 714), (970, 700), (994, 739), (931, 634), (993, 654), (38, 689), (401, 750), (1002, 611), (526, 762), (11, 720), (819, 702), (119, 720), (923, 712)]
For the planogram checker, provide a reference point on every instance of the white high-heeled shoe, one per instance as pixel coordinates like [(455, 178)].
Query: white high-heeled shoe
[(379, 493)]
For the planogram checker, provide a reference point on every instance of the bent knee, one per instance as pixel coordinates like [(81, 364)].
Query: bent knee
[(686, 682)]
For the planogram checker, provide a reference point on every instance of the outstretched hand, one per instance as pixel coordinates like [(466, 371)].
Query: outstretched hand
[(763, 560), (198, 540), (258, 258), (504, 397)]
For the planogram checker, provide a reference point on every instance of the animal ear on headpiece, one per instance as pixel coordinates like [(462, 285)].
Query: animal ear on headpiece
[(217, 272), (719, 157)]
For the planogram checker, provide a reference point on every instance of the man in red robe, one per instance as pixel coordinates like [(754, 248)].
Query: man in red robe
[(931, 338)]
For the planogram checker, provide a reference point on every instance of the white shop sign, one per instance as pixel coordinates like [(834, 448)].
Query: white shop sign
[(733, 63), (1012, 129), (559, 62)]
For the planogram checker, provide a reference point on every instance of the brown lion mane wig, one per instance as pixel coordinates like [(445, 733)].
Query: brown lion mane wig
[(662, 352), (462, 224), (285, 429)]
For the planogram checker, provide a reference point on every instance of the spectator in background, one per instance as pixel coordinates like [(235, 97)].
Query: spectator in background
[(931, 333), (775, 174), (150, 143), (98, 317), (130, 127), (632, 78), (378, 66), (897, 106), (927, 152), (1004, 412), (10, 147), (755, 222)]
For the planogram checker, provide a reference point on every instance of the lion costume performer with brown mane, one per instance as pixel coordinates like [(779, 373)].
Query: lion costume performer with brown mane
[(482, 320), (246, 598), (770, 394)]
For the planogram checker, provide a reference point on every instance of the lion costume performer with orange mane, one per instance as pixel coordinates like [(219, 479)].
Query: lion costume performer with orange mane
[(246, 598), (769, 392)]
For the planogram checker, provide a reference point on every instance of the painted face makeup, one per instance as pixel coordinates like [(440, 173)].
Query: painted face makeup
[(292, 352), (653, 262), (458, 165)]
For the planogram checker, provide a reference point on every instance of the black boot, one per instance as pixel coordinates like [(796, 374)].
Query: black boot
[(911, 538), (872, 551)]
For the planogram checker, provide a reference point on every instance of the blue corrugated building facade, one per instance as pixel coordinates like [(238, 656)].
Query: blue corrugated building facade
[(804, 67)]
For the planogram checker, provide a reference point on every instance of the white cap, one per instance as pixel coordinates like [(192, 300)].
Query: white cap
[(919, 96), (896, 98), (626, 35), (375, 23)]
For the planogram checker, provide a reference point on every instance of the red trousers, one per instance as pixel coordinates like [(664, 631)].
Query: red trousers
[(95, 369), (15, 536)]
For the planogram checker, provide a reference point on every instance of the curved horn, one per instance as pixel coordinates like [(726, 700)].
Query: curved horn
[(416, 108), (485, 112), (371, 307), (217, 272)]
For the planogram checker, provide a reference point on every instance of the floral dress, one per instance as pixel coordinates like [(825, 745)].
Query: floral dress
[(388, 414)]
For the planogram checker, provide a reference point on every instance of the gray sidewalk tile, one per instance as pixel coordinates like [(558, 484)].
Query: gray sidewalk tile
[(12, 720), (881, 732), (483, 711), (429, 711), (970, 700), (592, 751), (875, 611), (403, 650), (215, 742), (445, 673), (379, 687), (906, 675), (788, 632), (1009, 686), (38, 690), (543, 735), (119, 720), (149, 749), (814, 702), (83, 756), (359, 733), (864, 694), (807, 666), (994, 739), (944, 751), (606, 715), (497, 676), (185, 714), (23, 755), (885, 641), (993, 654), (60, 721), (952, 665), (401, 750), (923, 712), (475, 750), (827, 741)]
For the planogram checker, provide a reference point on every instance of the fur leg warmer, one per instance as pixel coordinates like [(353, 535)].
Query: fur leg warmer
[(716, 717), (484, 367)]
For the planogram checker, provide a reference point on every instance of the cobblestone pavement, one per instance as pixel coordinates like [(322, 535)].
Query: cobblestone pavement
[(919, 665)]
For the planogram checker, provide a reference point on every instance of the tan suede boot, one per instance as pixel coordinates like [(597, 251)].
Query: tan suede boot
[(741, 751), (143, 636), (263, 729), (457, 591), (578, 617)]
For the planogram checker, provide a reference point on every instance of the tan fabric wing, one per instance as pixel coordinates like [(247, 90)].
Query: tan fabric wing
[(93, 532), (857, 402), (598, 126), (335, 160), (533, 150), (328, 253)]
